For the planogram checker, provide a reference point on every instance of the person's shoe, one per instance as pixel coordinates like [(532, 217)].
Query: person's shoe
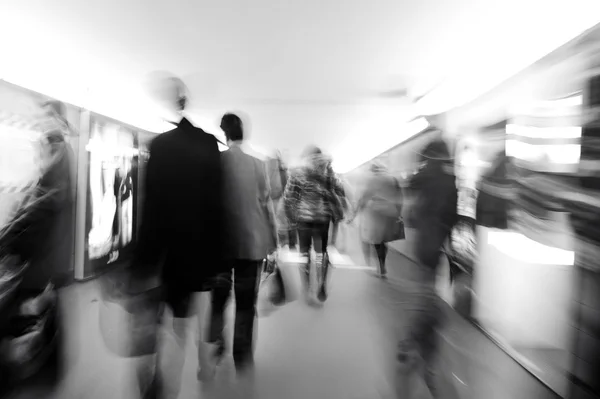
[(315, 302), (208, 373), (219, 353), (322, 295)]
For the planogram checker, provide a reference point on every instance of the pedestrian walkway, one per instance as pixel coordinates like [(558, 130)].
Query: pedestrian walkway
[(301, 351), (344, 350)]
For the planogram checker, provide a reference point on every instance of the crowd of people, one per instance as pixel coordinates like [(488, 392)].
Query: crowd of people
[(210, 220), (218, 238), (237, 211)]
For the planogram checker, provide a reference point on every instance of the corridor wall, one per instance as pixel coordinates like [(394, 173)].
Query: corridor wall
[(401, 161), (524, 279), (103, 148)]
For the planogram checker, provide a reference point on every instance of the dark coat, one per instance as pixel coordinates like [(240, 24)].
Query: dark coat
[(434, 210), (182, 222)]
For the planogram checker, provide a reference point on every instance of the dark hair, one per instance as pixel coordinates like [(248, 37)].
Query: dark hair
[(436, 150), (311, 151), (233, 127)]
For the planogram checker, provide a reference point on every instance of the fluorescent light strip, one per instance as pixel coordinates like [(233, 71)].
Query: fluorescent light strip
[(567, 132), (522, 248), (564, 154)]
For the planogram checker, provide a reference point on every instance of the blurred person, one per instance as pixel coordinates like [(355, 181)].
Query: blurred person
[(381, 208), (40, 236), (432, 217), (251, 236), (278, 179), (311, 201), (340, 197), (288, 235), (181, 234)]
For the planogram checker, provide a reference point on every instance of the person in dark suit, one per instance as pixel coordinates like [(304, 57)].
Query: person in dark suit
[(181, 232), (251, 237)]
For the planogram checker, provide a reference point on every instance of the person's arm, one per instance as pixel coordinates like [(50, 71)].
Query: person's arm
[(271, 212), (365, 197), (291, 196)]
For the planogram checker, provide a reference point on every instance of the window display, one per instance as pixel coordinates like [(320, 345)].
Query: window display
[(462, 242), (112, 194), (144, 141)]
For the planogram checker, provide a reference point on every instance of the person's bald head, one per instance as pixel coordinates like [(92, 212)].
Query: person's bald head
[(168, 89)]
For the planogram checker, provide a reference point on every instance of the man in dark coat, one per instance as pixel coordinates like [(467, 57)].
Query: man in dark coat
[(180, 238), (182, 221)]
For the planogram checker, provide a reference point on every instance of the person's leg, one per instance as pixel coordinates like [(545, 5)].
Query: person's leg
[(320, 239), (171, 356), (367, 250), (221, 293), (293, 238), (381, 250), (305, 238), (419, 344), (206, 364), (246, 289), (430, 347), (147, 377)]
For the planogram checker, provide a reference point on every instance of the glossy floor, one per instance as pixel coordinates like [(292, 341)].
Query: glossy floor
[(343, 350)]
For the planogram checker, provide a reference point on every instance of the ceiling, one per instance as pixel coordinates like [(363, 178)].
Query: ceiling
[(305, 71)]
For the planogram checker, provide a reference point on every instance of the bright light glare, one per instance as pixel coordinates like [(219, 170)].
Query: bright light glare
[(484, 69), (567, 132), (357, 155), (565, 154), (574, 101), (98, 147), (522, 248)]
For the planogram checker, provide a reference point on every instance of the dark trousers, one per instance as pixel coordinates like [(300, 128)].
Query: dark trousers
[(243, 276), (381, 250), (292, 238), (313, 235), (419, 344)]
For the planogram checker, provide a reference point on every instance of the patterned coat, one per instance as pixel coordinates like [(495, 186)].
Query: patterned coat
[(313, 193)]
